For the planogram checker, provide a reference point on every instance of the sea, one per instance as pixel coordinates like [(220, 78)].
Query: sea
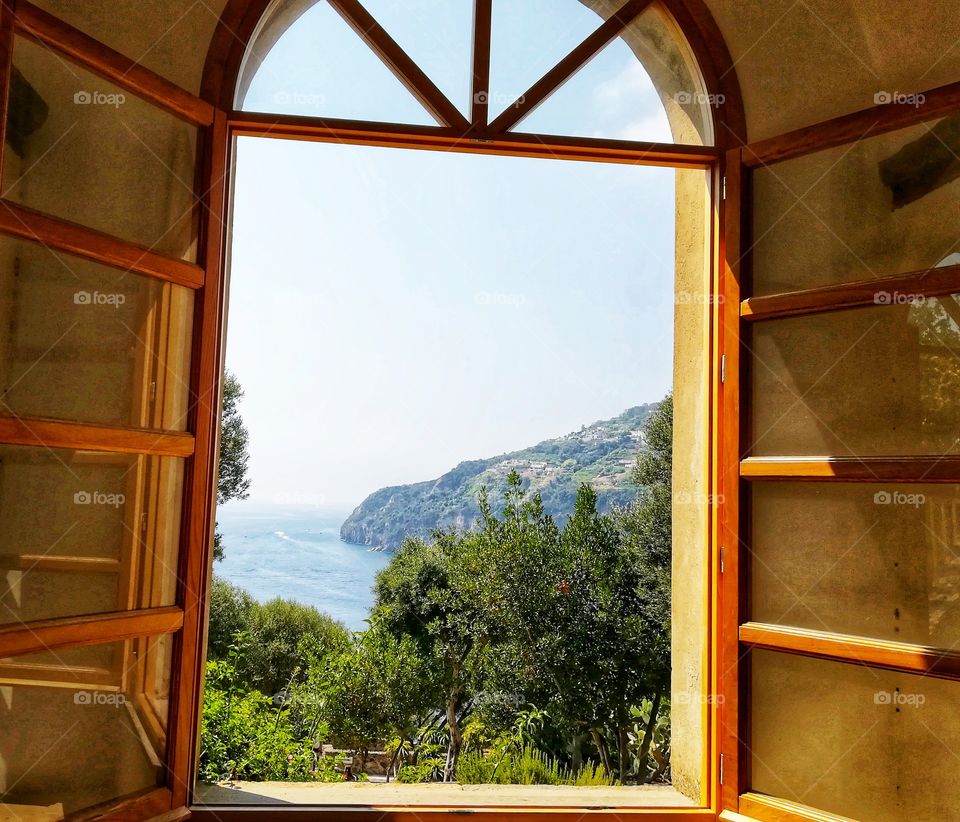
[(295, 552)]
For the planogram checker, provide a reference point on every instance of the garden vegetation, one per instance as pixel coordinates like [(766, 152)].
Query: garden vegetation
[(519, 652)]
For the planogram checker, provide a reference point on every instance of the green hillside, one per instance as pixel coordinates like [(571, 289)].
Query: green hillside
[(602, 454)]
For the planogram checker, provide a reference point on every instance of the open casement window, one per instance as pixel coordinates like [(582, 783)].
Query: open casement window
[(111, 321), (839, 600), (109, 229)]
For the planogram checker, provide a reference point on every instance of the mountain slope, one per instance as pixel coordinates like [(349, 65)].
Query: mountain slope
[(602, 454)]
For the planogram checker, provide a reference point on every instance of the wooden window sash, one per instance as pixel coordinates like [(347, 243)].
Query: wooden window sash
[(929, 469), (44, 433), (19, 639), (930, 282), (27, 224), (850, 128), (875, 653), (33, 22), (359, 132), (480, 81)]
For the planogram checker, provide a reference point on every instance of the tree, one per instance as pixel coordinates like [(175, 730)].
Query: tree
[(232, 480), (425, 593), (377, 687), (648, 535)]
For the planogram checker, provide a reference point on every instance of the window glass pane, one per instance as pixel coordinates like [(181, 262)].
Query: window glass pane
[(529, 38), (869, 559), (854, 741), (84, 150), (873, 381), (84, 532), (881, 206), (81, 341), (438, 37), (642, 86), (74, 727), (316, 65), (153, 34)]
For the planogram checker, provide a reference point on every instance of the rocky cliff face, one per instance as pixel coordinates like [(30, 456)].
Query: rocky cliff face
[(602, 454)]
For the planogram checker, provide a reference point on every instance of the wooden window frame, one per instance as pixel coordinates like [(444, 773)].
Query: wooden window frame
[(738, 635), (219, 125), (22, 19)]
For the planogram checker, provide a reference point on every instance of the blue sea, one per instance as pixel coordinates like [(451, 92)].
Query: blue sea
[(295, 552)]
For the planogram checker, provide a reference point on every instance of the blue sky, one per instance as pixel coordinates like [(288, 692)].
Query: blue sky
[(393, 312)]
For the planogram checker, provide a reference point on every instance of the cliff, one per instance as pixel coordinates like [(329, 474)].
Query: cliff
[(602, 454)]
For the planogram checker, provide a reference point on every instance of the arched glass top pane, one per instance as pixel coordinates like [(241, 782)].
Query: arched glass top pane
[(527, 39), (611, 97), (319, 67), (644, 85), (438, 36)]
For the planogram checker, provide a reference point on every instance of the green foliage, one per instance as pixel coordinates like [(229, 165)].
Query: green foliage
[(231, 611), (428, 770), (375, 687), (426, 593), (284, 636), (244, 736), (528, 766), (232, 480), (521, 652)]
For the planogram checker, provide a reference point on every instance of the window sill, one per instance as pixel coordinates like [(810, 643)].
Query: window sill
[(377, 794)]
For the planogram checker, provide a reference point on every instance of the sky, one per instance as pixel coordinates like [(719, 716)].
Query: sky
[(393, 312)]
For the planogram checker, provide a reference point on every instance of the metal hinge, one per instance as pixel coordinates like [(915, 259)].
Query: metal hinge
[(721, 769), (723, 368), (723, 188), (722, 552)]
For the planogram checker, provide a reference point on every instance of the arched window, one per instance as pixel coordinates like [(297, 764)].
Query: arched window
[(114, 294), (599, 70), (594, 81)]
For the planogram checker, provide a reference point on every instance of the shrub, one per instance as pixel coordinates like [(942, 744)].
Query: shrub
[(231, 609), (284, 636), (528, 766), (245, 737)]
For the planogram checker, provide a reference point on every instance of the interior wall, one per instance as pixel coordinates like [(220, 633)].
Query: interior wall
[(797, 62)]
